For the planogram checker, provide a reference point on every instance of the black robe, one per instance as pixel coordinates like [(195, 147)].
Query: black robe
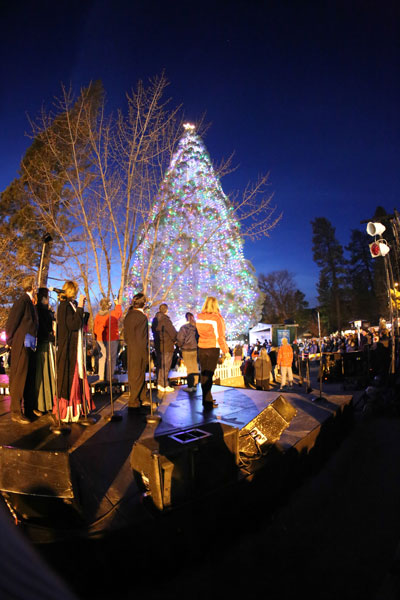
[(69, 322), (136, 335), (22, 319)]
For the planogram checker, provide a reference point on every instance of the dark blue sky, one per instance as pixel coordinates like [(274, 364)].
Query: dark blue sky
[(306, 90)]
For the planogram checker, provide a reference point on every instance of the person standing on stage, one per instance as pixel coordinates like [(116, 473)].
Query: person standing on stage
[(187, 342), (21, 332), (136, 335), (106, 332), (210, 326), (72, 384), (284, 362), (44, 380), (164, 334)]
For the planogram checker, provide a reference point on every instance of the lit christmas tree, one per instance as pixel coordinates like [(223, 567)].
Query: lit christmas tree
[(192, 247)]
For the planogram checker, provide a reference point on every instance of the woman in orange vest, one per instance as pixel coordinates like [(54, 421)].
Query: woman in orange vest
[(210, 326)]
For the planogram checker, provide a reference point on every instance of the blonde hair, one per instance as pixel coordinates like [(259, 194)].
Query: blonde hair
[(284, 341), (70, 289), (104, 304), (210, 305), (264, 353)]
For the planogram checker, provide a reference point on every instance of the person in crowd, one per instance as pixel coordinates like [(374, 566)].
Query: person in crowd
[(247, 369), (45, 363), (187, 341), (136, 334), (238, 353), (284, 362), (263, 368), (273, 358), (106, 332), (296, 356), (164, 334), (92, 355), (73, 392), (211, 329), (21, 332)]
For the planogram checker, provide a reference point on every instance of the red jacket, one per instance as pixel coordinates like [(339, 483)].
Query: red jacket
[(211, 330), (100, 327)]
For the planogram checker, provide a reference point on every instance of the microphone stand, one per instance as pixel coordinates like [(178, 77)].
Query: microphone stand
[(86, 420), (112, 417), (152, 417), (60, 427), (46, 239)]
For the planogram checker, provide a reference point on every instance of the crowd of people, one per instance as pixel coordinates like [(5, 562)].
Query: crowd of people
[(49, 353), (363, 352), (46, 364), (200, 341)]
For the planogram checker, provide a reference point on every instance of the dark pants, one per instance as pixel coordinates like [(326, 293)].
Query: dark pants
[(164, 361), (137, 379), (208, 359), (22, 381)]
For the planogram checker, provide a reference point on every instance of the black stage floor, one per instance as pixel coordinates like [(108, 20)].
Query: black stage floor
[(82, 483)]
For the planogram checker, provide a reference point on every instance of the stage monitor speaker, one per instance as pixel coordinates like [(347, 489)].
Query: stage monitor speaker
[(35, 472), (181, 466), (267, 427)]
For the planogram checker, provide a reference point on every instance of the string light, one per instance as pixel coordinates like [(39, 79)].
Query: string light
[(194, 244)]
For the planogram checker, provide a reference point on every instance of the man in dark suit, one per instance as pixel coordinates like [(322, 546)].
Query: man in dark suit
[(136, 334), (21, 332)]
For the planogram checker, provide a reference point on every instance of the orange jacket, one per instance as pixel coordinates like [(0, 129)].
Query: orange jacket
[(211, 330), (100, 327), (285, 356)]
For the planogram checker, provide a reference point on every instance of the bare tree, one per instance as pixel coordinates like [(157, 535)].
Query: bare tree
[(97, 184), (107, 171), (282, 298)]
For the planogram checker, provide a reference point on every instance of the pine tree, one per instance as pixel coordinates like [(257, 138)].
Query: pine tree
[(328, 254), (192, 247)]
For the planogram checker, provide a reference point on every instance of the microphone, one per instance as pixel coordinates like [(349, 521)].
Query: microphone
[(54, 289)]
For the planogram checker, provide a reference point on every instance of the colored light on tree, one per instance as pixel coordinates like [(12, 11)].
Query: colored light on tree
[(193, 248)]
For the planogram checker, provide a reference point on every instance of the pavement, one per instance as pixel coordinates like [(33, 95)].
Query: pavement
[(332, 534)]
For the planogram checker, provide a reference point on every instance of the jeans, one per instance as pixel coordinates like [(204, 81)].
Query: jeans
[(164, 361), (192, 367), (104, 366)]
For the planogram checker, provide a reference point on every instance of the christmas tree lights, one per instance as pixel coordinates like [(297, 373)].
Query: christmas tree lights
[(192, 247)]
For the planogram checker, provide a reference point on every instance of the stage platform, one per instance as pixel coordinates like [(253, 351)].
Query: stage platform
[(82, 484)]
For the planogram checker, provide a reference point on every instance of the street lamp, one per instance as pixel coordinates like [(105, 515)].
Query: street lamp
[(380, 247)]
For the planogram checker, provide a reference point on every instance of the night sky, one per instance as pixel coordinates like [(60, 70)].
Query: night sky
[(308, 91)]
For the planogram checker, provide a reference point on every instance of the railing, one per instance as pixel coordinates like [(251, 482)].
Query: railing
[(227, 370)]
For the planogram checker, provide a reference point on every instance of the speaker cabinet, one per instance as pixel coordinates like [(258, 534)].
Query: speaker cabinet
[(267, 427), (36, 472), (181, 466)]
